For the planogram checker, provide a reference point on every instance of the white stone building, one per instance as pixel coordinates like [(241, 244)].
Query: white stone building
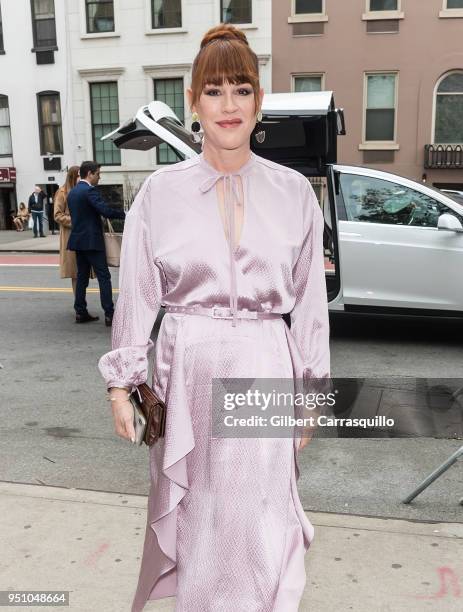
[(35, 100), (125, 53), (73, 70)]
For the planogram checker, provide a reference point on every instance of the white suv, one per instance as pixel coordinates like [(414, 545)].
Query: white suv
[(392, 245)]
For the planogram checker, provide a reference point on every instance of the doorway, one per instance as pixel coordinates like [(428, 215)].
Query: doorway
[(49, 189), (7, 205)]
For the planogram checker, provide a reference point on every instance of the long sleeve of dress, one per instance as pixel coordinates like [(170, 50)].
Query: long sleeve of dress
[(309, 317), (139, 301)]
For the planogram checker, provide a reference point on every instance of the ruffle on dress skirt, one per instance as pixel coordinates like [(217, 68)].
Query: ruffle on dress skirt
[(169, 485)]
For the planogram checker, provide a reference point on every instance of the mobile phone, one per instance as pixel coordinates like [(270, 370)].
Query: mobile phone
[(139, 420)]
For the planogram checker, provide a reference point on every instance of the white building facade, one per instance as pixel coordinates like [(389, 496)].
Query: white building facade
[(35, 101), (73, 70), (126, 53)]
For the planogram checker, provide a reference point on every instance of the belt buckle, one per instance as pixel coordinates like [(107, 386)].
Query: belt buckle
[(216, 315)]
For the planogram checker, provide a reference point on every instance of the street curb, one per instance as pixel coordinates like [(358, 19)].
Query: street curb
[(322, 519)]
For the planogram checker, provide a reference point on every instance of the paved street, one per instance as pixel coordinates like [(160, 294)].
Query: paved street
[(56, 407), (54, 410)]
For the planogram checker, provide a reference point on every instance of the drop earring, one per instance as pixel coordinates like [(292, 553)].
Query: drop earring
[(197, 134), (259, 132)]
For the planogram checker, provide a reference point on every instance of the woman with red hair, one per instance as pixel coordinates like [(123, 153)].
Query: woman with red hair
[(227, 242)]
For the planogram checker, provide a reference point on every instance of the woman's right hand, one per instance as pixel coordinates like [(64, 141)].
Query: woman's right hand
[(123, 414)]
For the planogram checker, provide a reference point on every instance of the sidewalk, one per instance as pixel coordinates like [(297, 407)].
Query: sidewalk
[(90, 542), (25, 242)]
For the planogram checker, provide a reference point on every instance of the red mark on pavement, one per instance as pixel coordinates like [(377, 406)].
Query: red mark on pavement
[(28, 260), (449, 585), (94, 556)]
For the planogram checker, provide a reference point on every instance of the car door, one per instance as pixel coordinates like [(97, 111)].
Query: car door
[(391, 253), (154, 124)]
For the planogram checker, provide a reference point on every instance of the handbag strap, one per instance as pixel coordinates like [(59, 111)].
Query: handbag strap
[(110, 226)]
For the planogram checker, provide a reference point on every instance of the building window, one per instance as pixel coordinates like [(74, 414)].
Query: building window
[(2, 48), (236, 11), (449, 110), (306, 7), (51, 135), (381, 91), (383, 10), (112, 195), (43, 23), (171, 92), (105, 118), (166, 14), (451, 9), (309, 82), (384, 5), (5, 132), (100, 16)]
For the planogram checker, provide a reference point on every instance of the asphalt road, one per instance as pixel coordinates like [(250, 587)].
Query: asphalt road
[(56, 425)]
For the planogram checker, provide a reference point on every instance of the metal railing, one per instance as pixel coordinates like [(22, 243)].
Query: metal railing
[(443, 156)]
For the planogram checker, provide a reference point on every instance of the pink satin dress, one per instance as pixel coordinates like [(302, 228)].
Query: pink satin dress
[(225, 528)]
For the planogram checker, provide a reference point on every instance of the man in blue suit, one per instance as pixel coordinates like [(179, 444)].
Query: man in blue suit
[(87, 207)]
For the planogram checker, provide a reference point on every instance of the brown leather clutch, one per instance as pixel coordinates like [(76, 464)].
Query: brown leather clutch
[(154, 411)]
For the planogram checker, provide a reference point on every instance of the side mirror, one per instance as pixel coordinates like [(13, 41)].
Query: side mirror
[(450, 223)]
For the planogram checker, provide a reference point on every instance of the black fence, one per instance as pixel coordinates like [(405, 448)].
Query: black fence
[(443, 156)]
